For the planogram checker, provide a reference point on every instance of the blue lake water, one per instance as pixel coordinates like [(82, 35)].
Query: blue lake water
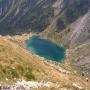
[(45, 48)]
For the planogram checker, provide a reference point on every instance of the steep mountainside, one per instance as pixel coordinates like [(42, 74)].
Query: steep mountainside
[(22, 16), (18, 64)]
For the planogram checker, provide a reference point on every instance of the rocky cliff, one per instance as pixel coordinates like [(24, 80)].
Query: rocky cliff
[(20, 16)]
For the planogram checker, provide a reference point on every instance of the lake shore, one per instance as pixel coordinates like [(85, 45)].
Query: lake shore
[(20, 39)]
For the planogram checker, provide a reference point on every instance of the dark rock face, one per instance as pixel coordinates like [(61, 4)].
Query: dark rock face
[(23, 16), (17, 16), (81, 33)]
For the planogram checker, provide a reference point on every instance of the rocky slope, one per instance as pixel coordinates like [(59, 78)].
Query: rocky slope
[(22, 16)]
